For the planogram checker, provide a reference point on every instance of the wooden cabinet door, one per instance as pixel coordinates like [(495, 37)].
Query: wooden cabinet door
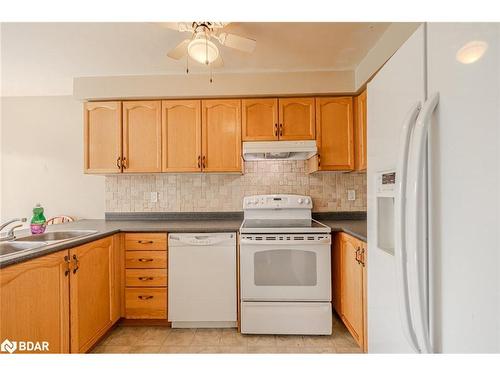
[(352, 288), (34, 302), (181, 135), (296, 117), (334, 130), (221, 133), (91, 292), (141, 136), (336, 274), (259, 119), (360, 132), (102, 137)]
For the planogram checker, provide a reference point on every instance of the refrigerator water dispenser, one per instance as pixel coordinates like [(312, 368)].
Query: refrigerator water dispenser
[(386, 182)]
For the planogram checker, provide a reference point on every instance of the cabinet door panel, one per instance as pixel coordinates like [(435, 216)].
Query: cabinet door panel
[(335, 133), (259, 119), (352, 288), (142, 136), (360, 131), (102, 137), (296, 117), (91, 293), (221, 132), (181, 144), (34, 302)]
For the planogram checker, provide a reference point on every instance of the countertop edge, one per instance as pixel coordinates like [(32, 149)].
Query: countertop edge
[(49, 249)]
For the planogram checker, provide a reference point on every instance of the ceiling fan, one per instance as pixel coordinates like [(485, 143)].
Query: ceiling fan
[(201, 47)]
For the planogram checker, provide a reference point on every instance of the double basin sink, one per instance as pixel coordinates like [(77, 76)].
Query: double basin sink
[(35, 241)]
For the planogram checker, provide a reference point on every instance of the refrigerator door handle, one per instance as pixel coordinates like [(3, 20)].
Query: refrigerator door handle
[(400, 220), (417, 202)]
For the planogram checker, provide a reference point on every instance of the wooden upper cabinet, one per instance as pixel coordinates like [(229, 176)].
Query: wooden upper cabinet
[(221, 133), (34, 302), (296, 119), (181, 135), (91, 295), (360, 131), (334, 131), (259, 119), (141, 136), (102, 137)]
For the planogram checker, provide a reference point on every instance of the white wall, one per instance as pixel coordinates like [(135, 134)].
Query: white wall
[(42, 159), (393, 38)]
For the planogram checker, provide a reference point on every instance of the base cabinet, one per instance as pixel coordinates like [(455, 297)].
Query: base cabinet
[(68, 299), (91, 293), (349, 284), (145, 276), (34, 303)]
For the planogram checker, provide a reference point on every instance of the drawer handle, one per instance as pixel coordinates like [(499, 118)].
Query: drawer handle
[(145, 278), (146, 259), (145, 297), (142, 242)]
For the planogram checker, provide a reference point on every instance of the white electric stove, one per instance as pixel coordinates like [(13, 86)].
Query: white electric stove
[(285, 267)]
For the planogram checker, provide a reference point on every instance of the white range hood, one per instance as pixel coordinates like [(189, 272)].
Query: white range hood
[(279, 150)]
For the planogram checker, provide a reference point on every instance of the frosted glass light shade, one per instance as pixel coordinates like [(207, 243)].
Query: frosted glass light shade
[(203, 51)]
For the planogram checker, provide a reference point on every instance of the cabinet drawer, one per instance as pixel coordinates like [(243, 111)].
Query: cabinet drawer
[(145, 259), (146, 303), (145, 241), (146, 277)]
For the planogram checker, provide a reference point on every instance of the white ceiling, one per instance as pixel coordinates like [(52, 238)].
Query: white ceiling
[(43, 58)]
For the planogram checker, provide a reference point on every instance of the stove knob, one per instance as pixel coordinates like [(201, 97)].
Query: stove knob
[(307, 201), (300, 200)]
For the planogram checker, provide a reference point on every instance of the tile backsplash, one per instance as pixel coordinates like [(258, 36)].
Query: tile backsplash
[(208, 192)]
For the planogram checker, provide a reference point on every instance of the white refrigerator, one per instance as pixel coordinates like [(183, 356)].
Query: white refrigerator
[(433, 193)]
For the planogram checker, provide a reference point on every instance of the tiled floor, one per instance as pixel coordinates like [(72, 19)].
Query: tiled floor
[(126, 339)]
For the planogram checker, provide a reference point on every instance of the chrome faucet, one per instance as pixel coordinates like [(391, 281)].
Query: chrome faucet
[(10, 234)]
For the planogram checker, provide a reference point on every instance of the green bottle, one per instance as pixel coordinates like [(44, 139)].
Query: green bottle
[(38, 221)]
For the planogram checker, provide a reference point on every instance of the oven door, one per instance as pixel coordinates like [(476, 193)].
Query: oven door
[(285, 267)]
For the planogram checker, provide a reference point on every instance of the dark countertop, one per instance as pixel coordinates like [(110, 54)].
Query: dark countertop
[(104, 228)]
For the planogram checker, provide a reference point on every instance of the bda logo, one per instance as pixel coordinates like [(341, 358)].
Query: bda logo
[(8, 346)]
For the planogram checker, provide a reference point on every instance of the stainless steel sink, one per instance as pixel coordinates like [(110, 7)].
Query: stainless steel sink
[(57, 236), (7, 248)]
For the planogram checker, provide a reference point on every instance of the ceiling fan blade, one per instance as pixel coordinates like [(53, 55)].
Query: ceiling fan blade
[(179, 51), (178, 26), (237, 42), (218, 63)]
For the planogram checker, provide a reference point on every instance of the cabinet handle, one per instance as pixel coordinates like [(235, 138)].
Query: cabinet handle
[(145, 297), (124, 163), (142, 242), (357, 255), (204, 162), (75, 264), (118, 164), (145, 260), (145, 278), (281, 130), (199, 161), (67, 261), (319, 160), (363, 256), (276, 130)]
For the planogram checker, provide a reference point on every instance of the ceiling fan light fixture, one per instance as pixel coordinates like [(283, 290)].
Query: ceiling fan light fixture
[(203, 50)]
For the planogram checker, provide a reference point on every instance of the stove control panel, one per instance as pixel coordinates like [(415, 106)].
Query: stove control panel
[(277, 201)]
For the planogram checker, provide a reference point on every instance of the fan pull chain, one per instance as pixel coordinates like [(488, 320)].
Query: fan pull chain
[(187, 63)]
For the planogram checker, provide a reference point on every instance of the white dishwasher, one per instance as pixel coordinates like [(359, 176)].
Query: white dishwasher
[(202, 280)]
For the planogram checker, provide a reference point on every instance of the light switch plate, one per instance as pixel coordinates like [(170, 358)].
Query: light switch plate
[(351, 195), (154, 197)]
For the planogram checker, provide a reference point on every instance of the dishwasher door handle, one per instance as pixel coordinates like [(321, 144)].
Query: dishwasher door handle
[(200, 240)]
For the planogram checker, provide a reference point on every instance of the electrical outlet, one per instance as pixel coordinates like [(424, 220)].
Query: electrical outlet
[(154, 197), (351, 195)]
